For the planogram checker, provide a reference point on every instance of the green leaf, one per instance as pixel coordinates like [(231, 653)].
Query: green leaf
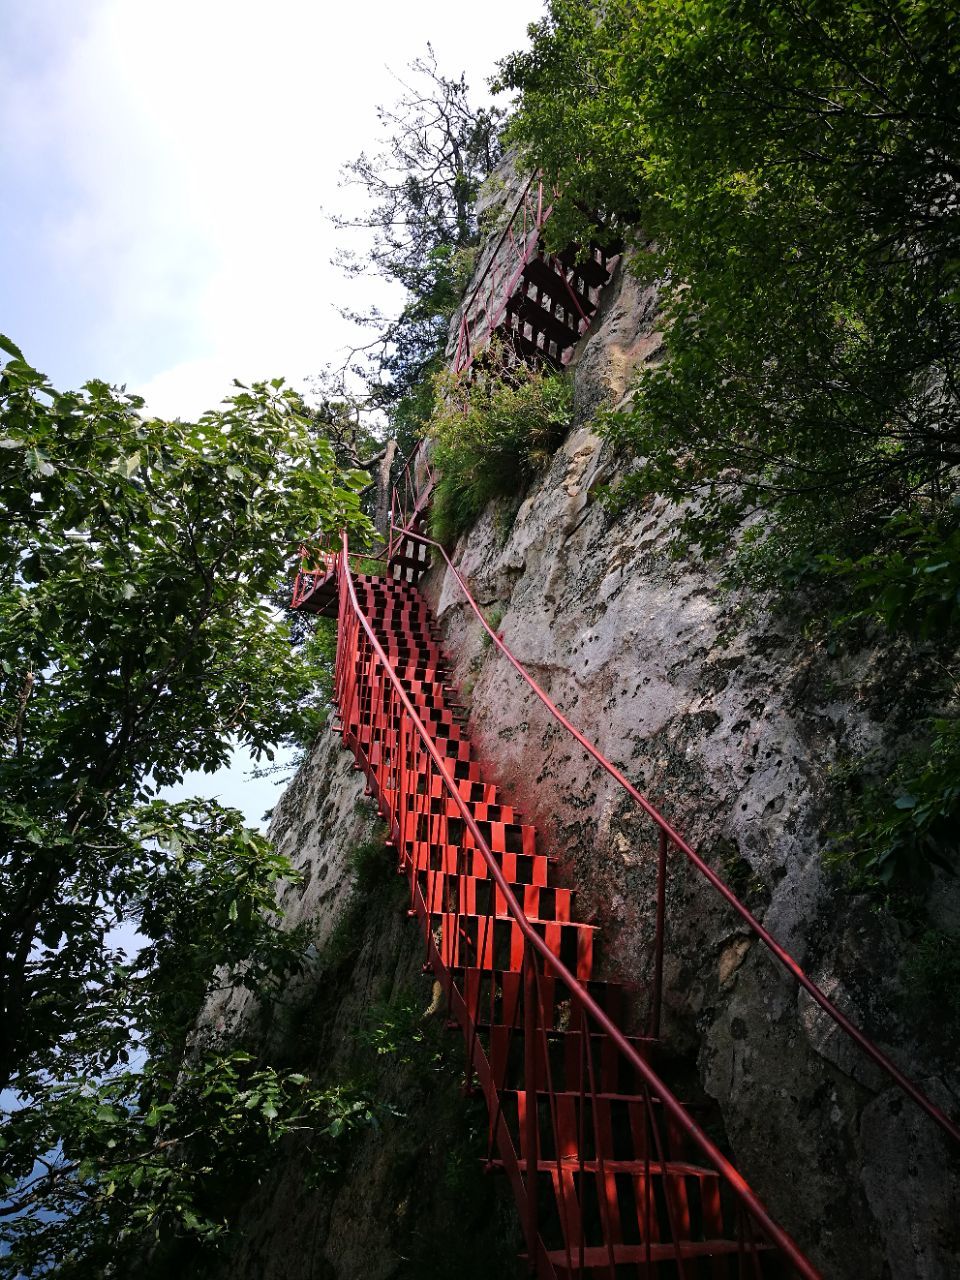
[(11, 348), (39, 464)]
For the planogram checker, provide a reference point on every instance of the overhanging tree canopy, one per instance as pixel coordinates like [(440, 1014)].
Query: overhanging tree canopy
[(137, 642), (794, 167)]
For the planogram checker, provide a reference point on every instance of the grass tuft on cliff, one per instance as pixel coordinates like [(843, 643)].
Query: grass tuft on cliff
[(491, 435)]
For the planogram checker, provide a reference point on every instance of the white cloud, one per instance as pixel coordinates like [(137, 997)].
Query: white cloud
[(194, 146), (165, 170)]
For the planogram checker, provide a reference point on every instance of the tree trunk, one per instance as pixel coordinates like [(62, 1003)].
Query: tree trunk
[(381, 512)]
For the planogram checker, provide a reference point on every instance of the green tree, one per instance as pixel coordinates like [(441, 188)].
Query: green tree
[(421, 224), (137, 642), (795, 167)]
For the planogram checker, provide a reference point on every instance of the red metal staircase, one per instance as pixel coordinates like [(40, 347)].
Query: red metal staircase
[(613, 1175), (538, 303)]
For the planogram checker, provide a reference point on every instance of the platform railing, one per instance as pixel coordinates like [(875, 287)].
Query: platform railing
[(412, 491), (314, 568), (319, 565), (501, 293), (487, 302)]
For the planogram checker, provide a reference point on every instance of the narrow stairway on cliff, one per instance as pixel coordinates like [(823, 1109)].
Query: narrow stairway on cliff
[(612, 1176)]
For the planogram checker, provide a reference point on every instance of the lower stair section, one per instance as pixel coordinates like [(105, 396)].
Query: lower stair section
[(612, 1177)]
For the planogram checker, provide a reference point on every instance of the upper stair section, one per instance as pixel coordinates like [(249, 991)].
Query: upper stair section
[(539, 304)]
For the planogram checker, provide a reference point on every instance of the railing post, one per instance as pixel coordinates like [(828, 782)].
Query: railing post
[(531, 1136), (403, 800), (656, 999)]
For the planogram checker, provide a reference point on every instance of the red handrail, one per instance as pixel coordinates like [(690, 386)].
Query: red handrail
[(347, 681), (325, 559), (503, 275), (784, 957), (407, 500), (500, 239), (308, 578)]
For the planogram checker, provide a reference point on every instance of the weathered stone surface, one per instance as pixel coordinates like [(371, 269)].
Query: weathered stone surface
[(627, 337), (731, 720), (318, 820), (913, 1182)]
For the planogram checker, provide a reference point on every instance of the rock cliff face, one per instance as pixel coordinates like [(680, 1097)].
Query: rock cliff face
[(733, 721)]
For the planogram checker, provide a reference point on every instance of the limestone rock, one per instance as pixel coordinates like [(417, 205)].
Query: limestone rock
[(731, 720)]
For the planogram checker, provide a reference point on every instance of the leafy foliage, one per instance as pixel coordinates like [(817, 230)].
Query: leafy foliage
[(137, 642), (394, 1027), (910, 580), (794, 166), (423, 188), (491, 434), (143, 1170), (908, 824), (789, 171), (932, 980)]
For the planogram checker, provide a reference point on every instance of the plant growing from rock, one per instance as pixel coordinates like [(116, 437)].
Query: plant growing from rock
[(491, 433)]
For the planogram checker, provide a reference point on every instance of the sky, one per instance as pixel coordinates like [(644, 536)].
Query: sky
[(167, 172)]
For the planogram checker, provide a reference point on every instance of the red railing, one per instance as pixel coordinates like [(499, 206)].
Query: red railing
[(517, 244), (412, 491), (668, 838), (514, 996), (315, 567), (318, 567)]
